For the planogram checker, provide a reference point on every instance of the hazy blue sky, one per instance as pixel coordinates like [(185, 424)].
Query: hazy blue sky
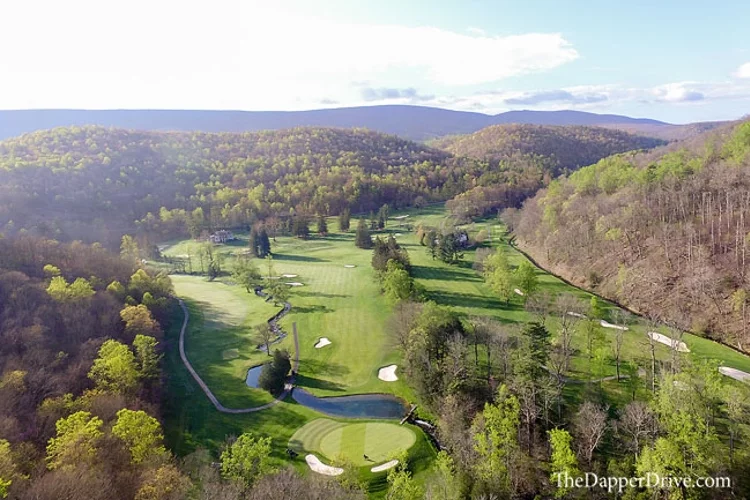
[(673, 60)]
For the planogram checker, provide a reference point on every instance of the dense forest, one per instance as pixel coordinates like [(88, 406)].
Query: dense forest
[(563, 148), (665, 232), (522, 159), (95, 184)]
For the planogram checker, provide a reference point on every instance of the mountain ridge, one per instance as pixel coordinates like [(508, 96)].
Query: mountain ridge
[(411, 122)]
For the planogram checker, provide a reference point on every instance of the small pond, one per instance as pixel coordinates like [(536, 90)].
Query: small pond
[(357, 406), (253, 374)]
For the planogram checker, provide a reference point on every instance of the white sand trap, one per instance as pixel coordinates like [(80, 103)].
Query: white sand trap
[(674, 344), (610, 325), (400, 217), (230, 354), (294, 283), (398, 234), (317, 466), (735, 373), (385, 466), (273, 277), (577, 315), (289, 275), (388, 373), (322, 342), (519, 292), (349, 266)]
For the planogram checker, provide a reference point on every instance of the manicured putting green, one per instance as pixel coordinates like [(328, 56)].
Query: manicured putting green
[(380, 441)]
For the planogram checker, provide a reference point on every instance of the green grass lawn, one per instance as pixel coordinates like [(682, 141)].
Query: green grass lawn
[(345, 305), (332, 440), (222, 318)]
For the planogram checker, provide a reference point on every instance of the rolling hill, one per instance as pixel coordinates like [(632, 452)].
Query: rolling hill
[(411, 122)]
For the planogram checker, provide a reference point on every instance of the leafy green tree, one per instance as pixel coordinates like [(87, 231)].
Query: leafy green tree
[(449, 249), (247, 459), (115, 369), (116, 289), (363, 238), (498, 275), (563, 463), (141, 434), (596, 308), (75, 441), (383, 216), (51, 271), (526, 279), (280, 292), (444, 484), (129, 248), (397, 284), (344, 220), (8, 471), (495, 434), (246, 274), (401, 485), (301, 226), (61, 291), (146, 356)]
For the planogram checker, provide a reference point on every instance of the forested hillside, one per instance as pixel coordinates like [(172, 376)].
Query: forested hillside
[(524, 158), (665, 232), (96, 184), (562, 147), (93, 183)]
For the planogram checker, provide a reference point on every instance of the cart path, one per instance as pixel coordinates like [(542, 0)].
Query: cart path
[(210, 395)]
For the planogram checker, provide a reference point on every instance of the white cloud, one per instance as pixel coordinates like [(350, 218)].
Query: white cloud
[(236, 54), (743, 71), (678, 92)]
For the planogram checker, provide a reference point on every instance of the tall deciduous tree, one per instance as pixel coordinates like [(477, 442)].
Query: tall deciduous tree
[(563, 462), (525, 278), (115, 368), (141, 434), (146, 356), (247, 459), (75, 441)]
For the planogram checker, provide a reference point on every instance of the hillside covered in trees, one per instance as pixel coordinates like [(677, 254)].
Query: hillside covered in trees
[(665, 232), (96, 184), (561, 147)]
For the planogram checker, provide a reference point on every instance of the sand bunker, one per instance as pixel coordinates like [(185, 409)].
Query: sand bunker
[(273, 277), (674, 344), (398, 234), (610, 325), (388, 373), (349, 266), (400, 217), (322, 342), (577, 315), (317, 466), (519, 292), (294, 283), (385, 466), (230, 354), (289, 275), (735, 373)]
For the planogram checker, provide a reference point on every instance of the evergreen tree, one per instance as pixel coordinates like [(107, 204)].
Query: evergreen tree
[(263, 244), (363, 238), (322, 225), (301, 227), (344, 220)]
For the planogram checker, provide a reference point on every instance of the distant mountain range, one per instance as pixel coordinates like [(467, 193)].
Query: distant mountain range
[(411, 122)]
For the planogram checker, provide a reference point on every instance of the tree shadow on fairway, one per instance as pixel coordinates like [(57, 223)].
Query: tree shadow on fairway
[(442, 274), (317, 308), (320, 294), (469, 300), (296, 258), (316, 383)]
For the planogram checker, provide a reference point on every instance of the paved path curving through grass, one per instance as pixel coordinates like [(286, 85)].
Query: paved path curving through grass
[(209, 394)]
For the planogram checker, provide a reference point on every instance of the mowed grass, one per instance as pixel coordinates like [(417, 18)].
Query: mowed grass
[(219, 339), (334, 441), (461, 287)]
